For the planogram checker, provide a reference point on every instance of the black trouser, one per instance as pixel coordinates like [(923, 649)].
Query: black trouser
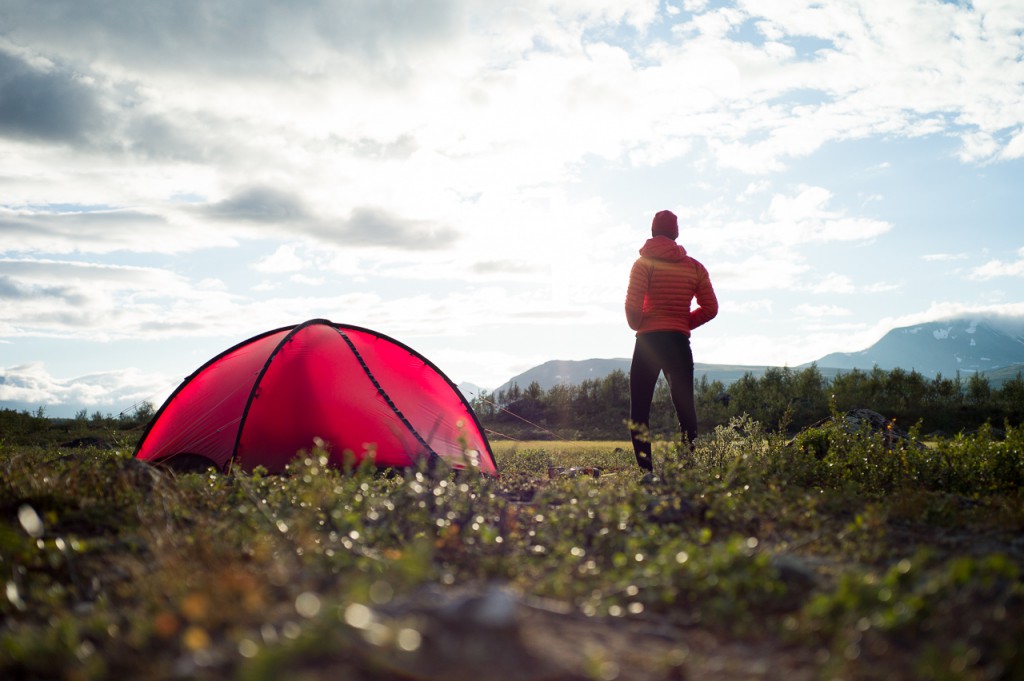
[(655, 352)]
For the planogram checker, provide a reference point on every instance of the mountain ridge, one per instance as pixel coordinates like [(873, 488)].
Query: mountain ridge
[(944, 347), (991, 346)]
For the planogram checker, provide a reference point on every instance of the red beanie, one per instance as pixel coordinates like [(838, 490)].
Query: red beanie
[(665, 224)]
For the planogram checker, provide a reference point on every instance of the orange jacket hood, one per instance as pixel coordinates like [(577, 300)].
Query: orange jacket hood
[(663, 248)]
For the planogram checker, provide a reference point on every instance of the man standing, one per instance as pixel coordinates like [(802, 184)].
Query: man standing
[(663, 283)]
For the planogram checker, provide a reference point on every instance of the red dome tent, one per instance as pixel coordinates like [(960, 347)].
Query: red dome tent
[(359, 392)]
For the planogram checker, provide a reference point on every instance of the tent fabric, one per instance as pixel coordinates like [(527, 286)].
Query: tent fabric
[(357, 391)]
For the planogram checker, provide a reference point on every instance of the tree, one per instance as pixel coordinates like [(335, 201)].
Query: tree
[(852, 390), (979, 392), (809, 397), (1010, 399), (712, 404)]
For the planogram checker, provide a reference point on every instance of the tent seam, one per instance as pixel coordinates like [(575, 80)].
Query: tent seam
[(256, 386), (383, 393)]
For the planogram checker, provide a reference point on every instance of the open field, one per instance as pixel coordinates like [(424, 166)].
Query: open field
[(836, 556), (610, 455)]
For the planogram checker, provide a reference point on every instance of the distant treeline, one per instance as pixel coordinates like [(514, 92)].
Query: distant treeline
[(22, 427), (781, 398)]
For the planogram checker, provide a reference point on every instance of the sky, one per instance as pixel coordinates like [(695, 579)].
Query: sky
[(475, 178)]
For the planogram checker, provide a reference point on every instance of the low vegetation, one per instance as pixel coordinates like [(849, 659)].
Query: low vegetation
[(837, 554), (781, 398)]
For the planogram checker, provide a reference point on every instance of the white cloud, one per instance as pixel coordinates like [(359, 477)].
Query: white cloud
[(805, 218), (977, 146), (760, 349), (951, 310), (1000, 268), (1015, 147), (750, 306), (835, 283), (482, 84), (758, 273), (789, 221), (943, 257), (65, 299), (809, 204), (114, 302), (31, 385), (105, 231), (756, 187), (806, 310), (284, 259), (881, 287)]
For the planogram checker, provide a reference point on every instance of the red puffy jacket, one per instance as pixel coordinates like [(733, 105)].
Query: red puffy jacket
[(662, 284)]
